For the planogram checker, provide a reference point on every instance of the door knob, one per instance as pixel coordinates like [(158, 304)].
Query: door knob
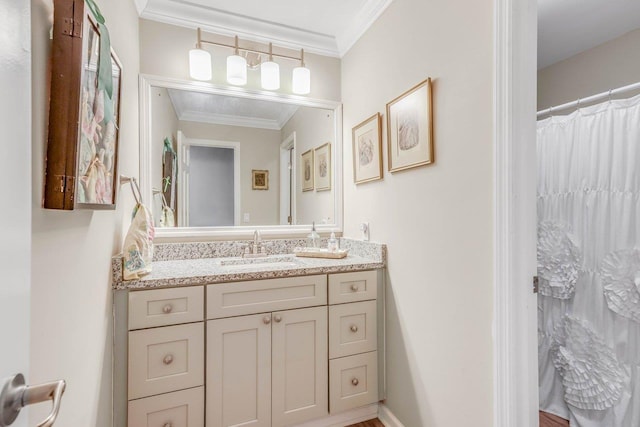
[(15, 395), (354, 328), (277, 318), (355, 382), (266, 320), (168, 359)]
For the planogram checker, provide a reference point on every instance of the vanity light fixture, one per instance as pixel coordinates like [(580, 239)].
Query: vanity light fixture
[(200, 66), (237, 68)]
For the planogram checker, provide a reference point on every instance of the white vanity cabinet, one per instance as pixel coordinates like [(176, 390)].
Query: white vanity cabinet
[(267, 369), (166, 357), (262, 353)]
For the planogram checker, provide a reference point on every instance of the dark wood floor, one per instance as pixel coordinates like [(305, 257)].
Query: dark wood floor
[(549, 420), (371, 423)]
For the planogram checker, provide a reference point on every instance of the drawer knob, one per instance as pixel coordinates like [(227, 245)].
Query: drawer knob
[(266, 320), (167, 309), (354, 328), (355, 382), (355, 287), (168, 359), (167, 425), (277, 318)]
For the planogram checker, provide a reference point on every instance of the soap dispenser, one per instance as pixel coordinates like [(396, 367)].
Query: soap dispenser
[(332, 245), (313, 239)]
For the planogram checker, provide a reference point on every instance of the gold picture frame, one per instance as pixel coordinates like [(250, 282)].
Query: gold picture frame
[(410, 128), (259, 179), (306, 170), (322, 167), (367, 150)]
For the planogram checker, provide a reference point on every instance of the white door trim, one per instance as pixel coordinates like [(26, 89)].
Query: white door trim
[(515, 338), (183, 149), (285, 146)]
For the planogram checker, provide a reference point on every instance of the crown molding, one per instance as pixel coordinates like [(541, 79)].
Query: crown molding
[(228, 24), (361, 23), (190, 15), (229, 120), (140, 5)]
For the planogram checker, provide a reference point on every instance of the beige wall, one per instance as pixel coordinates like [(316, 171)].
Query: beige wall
[(608, 66), (71, 296), (438, 220), (313, 127), (259, 149), (164, 51)]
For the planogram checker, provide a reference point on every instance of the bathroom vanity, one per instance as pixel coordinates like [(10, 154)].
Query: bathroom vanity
[(213, 339)]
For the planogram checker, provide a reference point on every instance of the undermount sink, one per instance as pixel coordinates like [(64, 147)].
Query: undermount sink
[(274, 261)]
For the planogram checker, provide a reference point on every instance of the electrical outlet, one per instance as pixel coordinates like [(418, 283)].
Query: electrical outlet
[(364, 227), (246, 217)]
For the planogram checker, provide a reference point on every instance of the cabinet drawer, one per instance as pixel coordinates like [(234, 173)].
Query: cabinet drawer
[(261, 296), (161, 307), (352, 287), (178, 409), (352, 329), (165, 359), (353, 381)]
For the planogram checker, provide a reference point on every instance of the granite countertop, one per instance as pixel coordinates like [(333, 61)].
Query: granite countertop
[(202, 271)]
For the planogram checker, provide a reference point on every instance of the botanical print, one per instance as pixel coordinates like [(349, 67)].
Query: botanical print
[(98, 131), (307, 170), (365, 148), (323, 167), (409, 128)]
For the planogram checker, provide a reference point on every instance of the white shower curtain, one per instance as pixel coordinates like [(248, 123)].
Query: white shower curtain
[(589, 265)]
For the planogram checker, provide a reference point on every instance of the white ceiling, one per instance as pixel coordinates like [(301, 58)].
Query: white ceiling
[(568, 27), (227, 110), (326, 27)]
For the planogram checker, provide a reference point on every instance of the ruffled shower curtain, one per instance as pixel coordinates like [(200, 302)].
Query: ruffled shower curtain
[(589, 265)]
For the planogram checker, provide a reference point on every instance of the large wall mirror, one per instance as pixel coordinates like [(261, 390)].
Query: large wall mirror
[(226, 161)]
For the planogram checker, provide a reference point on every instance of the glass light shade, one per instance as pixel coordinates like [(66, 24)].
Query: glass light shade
[(301, 80), (199, 64), (270, 75), (237, 70)]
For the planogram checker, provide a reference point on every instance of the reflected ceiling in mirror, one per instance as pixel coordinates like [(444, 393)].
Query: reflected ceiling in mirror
[(218, 159)]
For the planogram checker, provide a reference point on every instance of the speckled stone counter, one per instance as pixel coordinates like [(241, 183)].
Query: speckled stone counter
[(189, 264)]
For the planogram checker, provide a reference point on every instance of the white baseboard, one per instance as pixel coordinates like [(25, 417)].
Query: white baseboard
[(387, 418), (346, 418)]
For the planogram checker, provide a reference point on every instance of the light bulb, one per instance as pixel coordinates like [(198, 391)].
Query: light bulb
[(237, 70), (270, 75), (199, 64), (301, 80)]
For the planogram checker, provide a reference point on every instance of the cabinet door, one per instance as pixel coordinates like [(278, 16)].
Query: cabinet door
[(300, 365), (239, 371)]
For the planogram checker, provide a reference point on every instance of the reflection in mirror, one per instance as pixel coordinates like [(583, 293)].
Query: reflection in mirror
[(219, 160)]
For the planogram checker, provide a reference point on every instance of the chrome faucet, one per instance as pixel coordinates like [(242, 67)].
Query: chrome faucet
[(255, 250)]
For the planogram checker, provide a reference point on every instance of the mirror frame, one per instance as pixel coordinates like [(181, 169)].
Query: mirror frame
[(237, 232)]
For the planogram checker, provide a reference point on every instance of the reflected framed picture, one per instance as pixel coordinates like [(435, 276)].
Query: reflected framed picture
[(367, 150), (410, 128), (306, 170), (322, 167), (259, 179)]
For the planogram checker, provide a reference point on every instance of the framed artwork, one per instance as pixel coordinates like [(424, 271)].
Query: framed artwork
[(322, 168), (306, 170), (259, 179), (410, 128), (82, 149), (367, 150)]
